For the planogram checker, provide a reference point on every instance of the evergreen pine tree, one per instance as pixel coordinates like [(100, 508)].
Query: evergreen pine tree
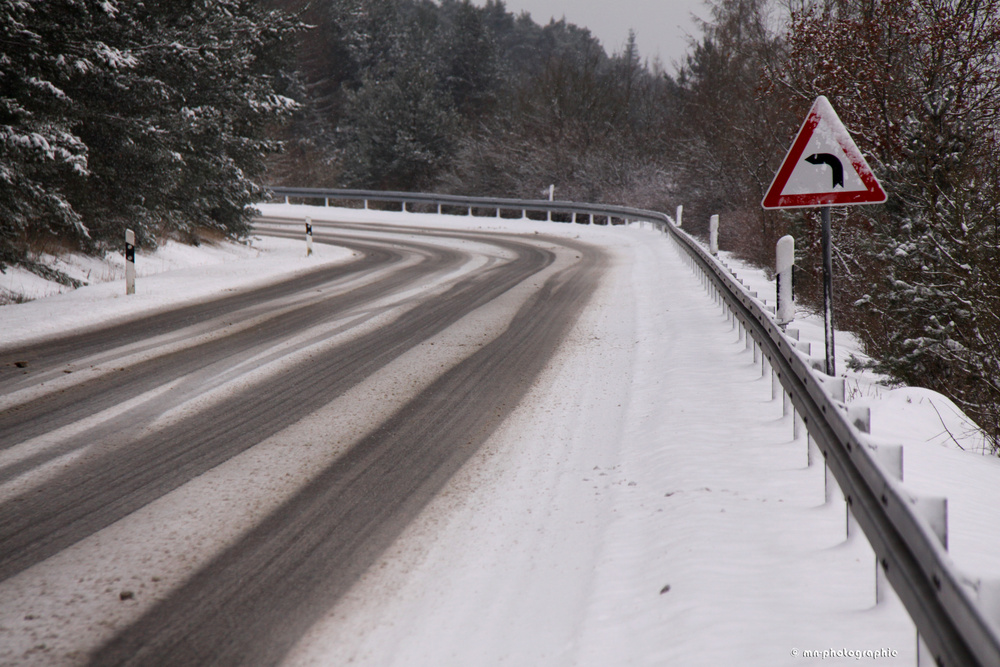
[(152, 115), (397, 131), (42, 47)]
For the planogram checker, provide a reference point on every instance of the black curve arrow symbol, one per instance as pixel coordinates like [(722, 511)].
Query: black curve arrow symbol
[(833, 161)]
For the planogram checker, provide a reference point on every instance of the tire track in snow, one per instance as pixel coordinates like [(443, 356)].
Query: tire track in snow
[(127, 473), (56, 353), (48, 412)]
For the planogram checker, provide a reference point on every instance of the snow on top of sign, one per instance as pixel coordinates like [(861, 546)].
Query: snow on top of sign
[(823, 166)]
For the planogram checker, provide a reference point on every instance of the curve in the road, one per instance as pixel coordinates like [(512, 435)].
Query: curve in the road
[(128, 472), (253, 601), (250, 605)]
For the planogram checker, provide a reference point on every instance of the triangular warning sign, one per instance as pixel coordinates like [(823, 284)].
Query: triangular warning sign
[(823, 167)]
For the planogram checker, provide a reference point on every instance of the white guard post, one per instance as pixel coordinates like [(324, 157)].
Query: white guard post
[(309, 237), (785, 259), (680, 214), (713, 235), (129, 261)]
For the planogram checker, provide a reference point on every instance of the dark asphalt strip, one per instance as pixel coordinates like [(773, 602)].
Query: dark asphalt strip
[(59, 351), (49, 412), (252, 603), (117, 479)]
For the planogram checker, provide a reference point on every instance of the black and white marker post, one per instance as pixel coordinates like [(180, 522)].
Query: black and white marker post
[(309, 237), (785, 259), (129, 262), (822, 168)]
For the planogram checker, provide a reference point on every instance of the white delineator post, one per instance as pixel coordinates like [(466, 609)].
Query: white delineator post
[(680, 214), (309, 237), (713, 235), (784, 260), (129, 261)]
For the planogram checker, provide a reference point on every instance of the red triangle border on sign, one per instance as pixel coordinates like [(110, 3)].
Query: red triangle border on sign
[(774, 197)]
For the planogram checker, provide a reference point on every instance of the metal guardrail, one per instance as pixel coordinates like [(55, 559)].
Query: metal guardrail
[(939, 599), (948, 614), (438, 201)]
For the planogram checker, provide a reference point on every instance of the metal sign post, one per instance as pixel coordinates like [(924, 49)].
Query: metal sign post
[(831, 360)]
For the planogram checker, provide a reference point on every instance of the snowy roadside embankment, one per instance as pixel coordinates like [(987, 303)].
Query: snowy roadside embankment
[(945, 454), (174, 274)]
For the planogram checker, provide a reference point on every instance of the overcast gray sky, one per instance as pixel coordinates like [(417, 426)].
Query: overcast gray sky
[(661, 26)]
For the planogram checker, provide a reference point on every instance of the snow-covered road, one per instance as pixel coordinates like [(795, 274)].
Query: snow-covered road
[(644, 504)]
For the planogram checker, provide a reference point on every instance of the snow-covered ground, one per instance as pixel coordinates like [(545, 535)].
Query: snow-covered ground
[(172, 275), (645, 505)]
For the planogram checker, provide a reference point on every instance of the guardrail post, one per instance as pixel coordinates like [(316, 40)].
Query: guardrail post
[(784, 260), (831, 486), (852, 526), (924, 656), (890, 458), (713, 235), (835, 387), (989, 599), (935, 511), (798, 425), (860, 417), (883, 588)]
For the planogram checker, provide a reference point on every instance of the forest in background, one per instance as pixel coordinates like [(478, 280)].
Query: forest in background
[(448, 96), (169, 117)]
